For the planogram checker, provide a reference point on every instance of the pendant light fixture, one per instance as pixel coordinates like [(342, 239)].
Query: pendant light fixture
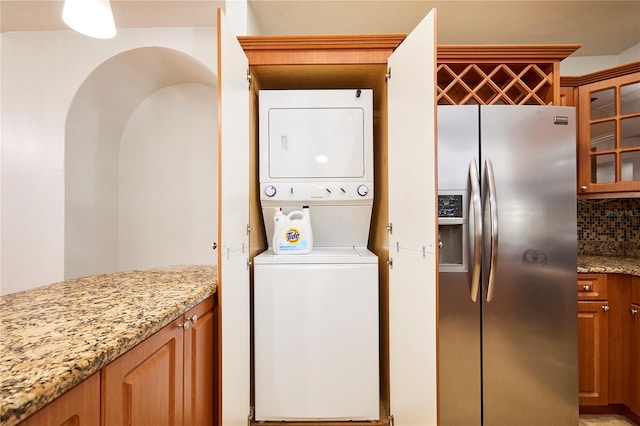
[(90, 17)]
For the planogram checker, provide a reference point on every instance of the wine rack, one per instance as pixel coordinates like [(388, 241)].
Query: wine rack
[(500, 75)]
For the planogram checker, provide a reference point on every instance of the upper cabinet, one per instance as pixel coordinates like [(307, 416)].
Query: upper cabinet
[(608, 132)]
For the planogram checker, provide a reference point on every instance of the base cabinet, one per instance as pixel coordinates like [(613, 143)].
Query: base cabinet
[(634, 374), (144, 386), (200, 366), (592, 353), (78, 407), (609, 344), (169, 378)]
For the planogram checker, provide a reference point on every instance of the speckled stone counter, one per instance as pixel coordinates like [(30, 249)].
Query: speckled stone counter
[(54, 337), (608, 265)]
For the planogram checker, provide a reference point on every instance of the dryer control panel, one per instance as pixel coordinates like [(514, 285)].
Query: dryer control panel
[(319, 191)]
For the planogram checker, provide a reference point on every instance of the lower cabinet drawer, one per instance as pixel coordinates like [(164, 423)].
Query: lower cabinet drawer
[(592, 286)]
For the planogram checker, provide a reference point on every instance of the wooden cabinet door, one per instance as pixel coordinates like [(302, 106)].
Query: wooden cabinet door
[(412, 212), (608, 152), (592, 353), (200, 366), (634, 370), (78, 407), (144, 386)]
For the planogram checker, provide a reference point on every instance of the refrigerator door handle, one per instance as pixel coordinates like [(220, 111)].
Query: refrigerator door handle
[(493, 216), (475, 230)]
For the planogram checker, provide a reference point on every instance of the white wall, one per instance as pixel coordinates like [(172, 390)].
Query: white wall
[(581, 65), (95, 123), (167, 180), (241, 18), (41, 73)]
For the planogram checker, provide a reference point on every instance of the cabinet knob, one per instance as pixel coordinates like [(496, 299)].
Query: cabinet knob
[(633, 311), (193, 318), (185, 325), (605, 308), (583, 188), (586, 287)]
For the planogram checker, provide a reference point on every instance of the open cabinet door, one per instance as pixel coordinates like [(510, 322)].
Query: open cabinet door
[(412, 239), (233, 219)]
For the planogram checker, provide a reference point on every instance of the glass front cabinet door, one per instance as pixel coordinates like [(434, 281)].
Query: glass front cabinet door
[(609, 137)]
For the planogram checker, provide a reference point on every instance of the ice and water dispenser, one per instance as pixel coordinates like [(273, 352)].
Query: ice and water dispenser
[(453, 231)]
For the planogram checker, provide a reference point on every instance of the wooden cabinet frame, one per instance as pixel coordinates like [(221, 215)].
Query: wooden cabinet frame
[(580, 87)]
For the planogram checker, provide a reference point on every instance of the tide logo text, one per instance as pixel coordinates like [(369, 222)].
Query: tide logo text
[(293, 235)]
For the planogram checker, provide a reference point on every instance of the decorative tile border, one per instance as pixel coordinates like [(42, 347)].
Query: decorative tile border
[(609, 227)]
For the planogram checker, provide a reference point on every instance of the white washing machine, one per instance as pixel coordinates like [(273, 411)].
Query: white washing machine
[(316, 316), (316, 336)]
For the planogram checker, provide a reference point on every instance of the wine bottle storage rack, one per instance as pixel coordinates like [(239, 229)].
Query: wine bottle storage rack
[(495, 84), (500, 75)]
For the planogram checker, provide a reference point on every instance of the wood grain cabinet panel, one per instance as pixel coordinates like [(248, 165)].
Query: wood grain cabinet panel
[(144, 386), (78, 407), (592, 287), (168, 379), (200, 366), (635, 290), (592, 353), (634, 370)]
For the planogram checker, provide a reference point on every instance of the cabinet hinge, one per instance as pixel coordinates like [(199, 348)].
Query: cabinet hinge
[(249, 77), (387, 76), (389, 228), (390, 262), (391, 420), (249, 229)]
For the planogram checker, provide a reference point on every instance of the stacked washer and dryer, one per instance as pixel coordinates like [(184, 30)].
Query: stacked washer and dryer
[(316, 315)]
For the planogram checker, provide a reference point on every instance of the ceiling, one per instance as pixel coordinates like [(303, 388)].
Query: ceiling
[(602, 27)]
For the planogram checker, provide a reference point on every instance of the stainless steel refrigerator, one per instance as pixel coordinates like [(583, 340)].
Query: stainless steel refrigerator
[(507, 288)]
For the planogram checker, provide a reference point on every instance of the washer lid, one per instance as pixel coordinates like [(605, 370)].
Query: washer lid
[(322, 255)]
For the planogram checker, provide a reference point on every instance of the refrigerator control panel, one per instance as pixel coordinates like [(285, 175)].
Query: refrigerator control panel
[(450, 205), (453, 230)]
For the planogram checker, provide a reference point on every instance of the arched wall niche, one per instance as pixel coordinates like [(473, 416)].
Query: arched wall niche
[(140, 164)]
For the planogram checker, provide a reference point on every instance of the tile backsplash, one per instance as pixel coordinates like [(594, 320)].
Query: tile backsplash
[(609, 227)]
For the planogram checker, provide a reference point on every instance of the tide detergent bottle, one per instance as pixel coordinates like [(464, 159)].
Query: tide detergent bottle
[(292, 233)]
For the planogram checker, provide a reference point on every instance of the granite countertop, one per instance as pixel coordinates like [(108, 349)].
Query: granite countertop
[(608, 265), (55, 336)]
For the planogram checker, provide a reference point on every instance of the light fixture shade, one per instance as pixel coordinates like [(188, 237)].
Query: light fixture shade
[(90, 17)]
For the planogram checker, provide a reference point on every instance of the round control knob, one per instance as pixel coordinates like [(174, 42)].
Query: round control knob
[(362, 190), (270, 190)]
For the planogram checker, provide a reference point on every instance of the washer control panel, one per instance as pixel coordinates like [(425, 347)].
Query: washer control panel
[(330, 191)]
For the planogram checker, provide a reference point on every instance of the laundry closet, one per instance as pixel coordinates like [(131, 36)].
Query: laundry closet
[(396, 71)]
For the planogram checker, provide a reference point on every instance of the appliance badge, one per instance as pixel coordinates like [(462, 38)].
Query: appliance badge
[(293, 235), (534, 257)]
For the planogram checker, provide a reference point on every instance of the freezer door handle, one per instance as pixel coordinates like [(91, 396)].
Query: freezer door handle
[(475, 228), (493, 216)]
